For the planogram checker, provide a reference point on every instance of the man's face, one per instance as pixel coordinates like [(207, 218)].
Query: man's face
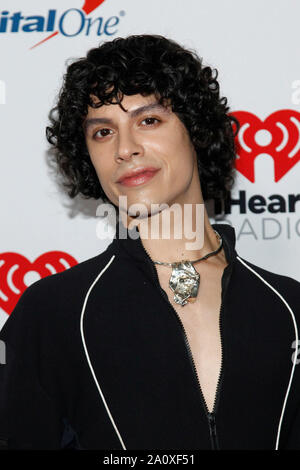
[(146, 136)]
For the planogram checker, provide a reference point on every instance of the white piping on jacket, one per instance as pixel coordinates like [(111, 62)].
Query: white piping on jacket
[(87, 354), (98, 386), (296, 342)]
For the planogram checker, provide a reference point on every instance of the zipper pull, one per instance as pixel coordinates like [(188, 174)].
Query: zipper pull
[(213, 431)]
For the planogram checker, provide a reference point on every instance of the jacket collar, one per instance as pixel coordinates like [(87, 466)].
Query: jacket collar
[(129, 241)]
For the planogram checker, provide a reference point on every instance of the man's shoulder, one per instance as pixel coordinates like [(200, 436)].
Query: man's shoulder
[(268, 274), (64, 290), (285, 286)]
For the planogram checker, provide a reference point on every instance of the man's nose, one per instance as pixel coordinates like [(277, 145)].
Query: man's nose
[(127, 147)]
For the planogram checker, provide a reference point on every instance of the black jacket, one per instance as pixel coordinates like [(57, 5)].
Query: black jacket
[(97, 358)]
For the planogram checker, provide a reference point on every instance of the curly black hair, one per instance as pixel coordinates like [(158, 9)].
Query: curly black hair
[(143, 64)]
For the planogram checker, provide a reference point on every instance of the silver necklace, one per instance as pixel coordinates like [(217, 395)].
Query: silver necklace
[(185, 280)]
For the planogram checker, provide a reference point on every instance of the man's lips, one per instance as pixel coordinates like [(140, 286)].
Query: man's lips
[(140, 177)]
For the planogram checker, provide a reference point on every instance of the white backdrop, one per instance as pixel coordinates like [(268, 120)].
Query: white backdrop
[(255, 47)]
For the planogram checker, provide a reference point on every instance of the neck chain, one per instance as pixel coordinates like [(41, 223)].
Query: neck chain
[(185, 280)]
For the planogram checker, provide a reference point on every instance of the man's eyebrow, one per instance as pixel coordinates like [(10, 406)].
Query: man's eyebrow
[(91, 121), (136, 112), (149, 107)]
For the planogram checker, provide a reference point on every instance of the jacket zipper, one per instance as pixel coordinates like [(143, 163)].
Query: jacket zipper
[(213, 431), (211, 415)]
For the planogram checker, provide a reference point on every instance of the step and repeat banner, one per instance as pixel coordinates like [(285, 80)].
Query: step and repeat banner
[(255, 47)]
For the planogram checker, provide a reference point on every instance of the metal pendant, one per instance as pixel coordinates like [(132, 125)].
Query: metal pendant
[(184, 282)]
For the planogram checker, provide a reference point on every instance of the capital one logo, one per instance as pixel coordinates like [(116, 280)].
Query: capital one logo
[(278, 136), (70, 23), (17, 273)]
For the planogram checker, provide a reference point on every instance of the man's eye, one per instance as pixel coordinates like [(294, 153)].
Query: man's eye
[(150, 121), (102, 133)]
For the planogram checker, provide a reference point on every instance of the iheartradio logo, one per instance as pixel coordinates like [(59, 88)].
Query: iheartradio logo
[(17, 273), (278, 135)]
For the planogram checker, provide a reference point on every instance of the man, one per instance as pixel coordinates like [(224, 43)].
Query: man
[(153, 344)]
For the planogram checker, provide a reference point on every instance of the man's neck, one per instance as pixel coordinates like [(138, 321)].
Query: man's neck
[(182, 238)]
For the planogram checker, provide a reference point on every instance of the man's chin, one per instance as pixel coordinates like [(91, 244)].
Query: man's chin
[(139, 211)]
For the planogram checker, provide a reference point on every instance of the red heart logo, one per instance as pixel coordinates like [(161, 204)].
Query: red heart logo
[(17, 273), (278, 135)]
